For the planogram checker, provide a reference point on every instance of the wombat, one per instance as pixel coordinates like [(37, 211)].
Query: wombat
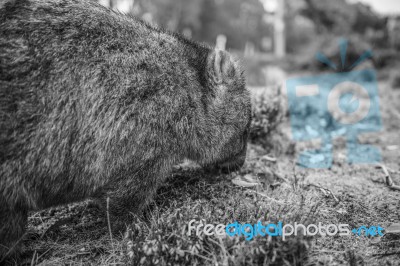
[(94, 103)]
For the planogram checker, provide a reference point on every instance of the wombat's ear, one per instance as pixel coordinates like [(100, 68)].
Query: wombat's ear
[(221, 67)]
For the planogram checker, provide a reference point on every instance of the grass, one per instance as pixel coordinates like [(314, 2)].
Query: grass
[(219, 201), (161, 236)]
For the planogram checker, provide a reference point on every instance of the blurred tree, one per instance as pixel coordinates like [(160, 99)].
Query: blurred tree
[(247, 23), (174, 15), (239, 20), (330, 16), (367, 19), (341, 17)]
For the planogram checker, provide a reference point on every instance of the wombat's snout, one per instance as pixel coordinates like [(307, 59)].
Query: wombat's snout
[(235, 162), (234, 165)]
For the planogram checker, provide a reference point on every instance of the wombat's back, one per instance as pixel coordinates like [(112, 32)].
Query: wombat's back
[(73, 74)]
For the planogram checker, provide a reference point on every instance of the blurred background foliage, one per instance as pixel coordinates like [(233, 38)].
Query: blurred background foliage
[(252, 21), (283, 33), (203, 20)]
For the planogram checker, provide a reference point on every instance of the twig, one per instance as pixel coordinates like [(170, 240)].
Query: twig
[(280, 177), (328, 251), (34, 258), (388, 180), (268, 158), (82, 253), (266, 196), (198, 255), (326, 191), (108, 222), (386, 254), (44, 253), (386, 242)]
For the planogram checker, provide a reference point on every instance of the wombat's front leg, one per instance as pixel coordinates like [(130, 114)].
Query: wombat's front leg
[(12, 228), (124, 204), (132, 195)]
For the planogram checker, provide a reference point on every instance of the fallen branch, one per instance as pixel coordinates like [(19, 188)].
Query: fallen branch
[(388, 179)]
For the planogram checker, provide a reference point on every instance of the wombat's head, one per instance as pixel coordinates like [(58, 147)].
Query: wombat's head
[(227, 113)]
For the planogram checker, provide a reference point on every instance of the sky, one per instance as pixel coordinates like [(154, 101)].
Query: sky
[(384, 6)]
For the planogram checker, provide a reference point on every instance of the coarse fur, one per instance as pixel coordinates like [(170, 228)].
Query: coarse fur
[(94, 103)]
